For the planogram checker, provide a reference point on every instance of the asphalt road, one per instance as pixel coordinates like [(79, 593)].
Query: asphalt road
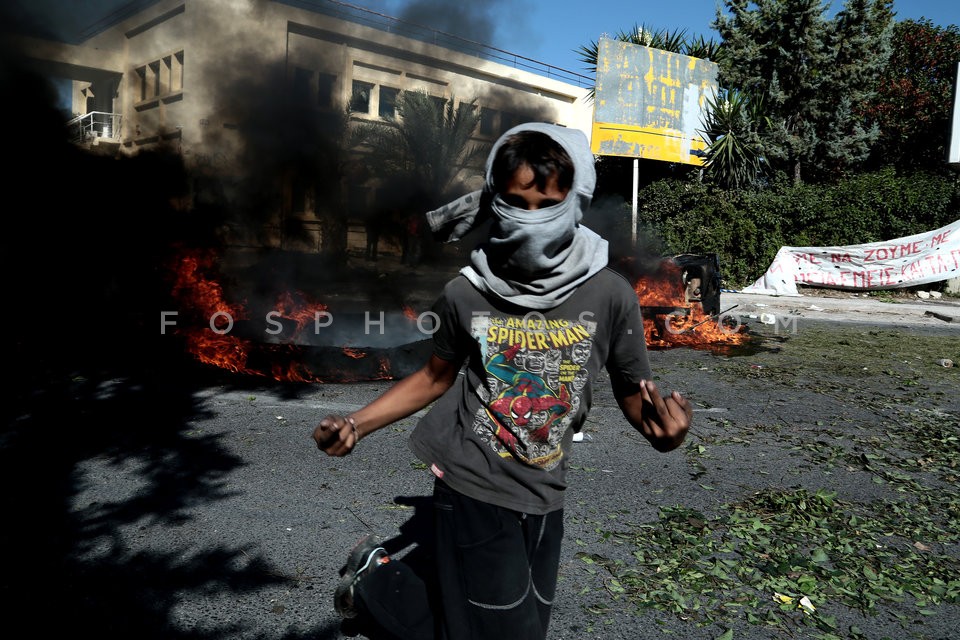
[(179, 502), (905, 309)]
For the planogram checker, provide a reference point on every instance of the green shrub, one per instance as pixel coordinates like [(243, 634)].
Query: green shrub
[(747, 228)]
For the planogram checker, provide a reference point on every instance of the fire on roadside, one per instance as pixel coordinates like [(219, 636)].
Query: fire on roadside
[(207, 319), (673, 316), (672, 303)]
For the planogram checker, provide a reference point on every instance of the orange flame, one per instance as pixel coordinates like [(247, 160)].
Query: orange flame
[(302, 311), (671, 320), (207, 320), (202, 297)]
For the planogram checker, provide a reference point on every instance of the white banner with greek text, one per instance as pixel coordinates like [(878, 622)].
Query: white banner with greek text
[(904, 262)]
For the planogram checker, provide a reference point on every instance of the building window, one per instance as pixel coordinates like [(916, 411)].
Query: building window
[(388, 102), (360, 98), (488, 121), (325, 85), (176, 71), (301, 85), (153, 77), (508, 121), (466, 109), (161, 78), (142, 79), (440, 102)]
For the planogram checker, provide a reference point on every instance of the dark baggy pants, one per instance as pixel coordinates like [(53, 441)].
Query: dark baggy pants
[(495, 570)]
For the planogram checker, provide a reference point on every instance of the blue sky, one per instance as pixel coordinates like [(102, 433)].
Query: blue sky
[(550, 30)]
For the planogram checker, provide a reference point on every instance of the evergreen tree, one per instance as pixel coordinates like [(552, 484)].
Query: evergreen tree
[(811, 73), (858, 46)]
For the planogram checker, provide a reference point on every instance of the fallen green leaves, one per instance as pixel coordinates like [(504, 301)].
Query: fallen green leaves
[(867, 423), (777, 557)]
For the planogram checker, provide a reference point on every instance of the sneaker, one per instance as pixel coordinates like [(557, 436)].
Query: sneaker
[(365, 557)]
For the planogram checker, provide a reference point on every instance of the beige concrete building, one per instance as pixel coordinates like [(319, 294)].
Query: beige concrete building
[(235, 86)]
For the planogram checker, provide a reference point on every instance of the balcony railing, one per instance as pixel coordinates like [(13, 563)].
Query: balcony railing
[(96, 124)]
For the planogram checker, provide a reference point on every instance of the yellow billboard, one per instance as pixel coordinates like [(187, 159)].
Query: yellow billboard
[(648, 103)]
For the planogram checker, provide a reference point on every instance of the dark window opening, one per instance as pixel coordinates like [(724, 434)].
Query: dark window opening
[(360, 98), (301, 85), (439, 102), (325, 84), (388, 102), (488, 121)]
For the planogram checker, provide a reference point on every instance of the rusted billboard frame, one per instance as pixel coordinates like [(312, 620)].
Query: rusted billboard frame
[(648, 103)]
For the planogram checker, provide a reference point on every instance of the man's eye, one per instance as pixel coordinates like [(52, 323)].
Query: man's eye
[(515, 201), (548, 203)]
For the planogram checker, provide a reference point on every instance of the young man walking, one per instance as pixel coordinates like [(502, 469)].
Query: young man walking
[(532, 320)]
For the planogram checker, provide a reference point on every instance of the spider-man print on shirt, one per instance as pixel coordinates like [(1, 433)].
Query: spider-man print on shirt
[(535, 371)]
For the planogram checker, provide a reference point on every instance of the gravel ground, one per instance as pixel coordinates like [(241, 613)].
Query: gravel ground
[(171, 501)]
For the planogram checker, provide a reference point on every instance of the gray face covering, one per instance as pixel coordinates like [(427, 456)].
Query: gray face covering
[(531, 243), (534, 259)]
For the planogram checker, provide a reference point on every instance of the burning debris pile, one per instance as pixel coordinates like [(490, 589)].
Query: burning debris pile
[(680, 302), (295, 338)]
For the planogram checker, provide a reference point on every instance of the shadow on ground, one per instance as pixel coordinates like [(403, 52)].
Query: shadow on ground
[(67, 567)]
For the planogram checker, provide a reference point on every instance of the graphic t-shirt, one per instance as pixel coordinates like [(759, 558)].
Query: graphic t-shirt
[(503, 432)]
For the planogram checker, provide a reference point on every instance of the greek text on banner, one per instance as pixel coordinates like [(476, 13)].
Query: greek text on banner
[(904, 262)]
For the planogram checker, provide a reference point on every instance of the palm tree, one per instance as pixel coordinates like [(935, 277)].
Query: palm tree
[(428, 144), (736, 125), (417, 159)]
